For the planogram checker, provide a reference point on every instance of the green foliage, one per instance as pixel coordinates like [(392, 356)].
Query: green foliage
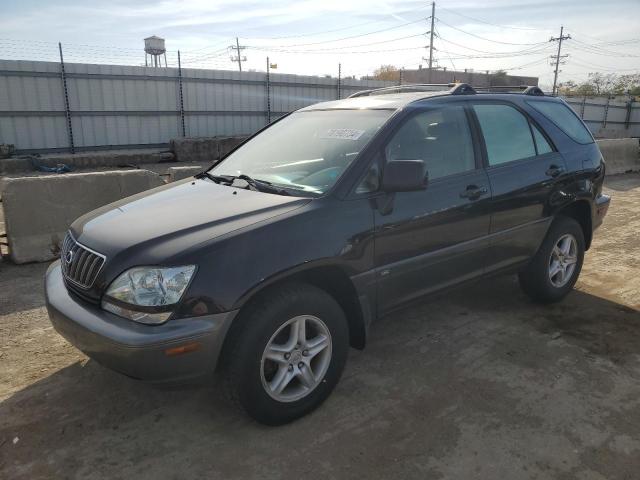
[(603, 84)]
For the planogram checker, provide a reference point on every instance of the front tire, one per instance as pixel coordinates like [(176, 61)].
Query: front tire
[(287, 354), (555, 268)]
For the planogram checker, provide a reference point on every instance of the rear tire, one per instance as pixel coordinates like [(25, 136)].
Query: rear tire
[(555, 268), (271, 369)]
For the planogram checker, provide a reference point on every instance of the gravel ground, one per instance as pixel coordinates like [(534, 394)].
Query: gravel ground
[(479, 383)]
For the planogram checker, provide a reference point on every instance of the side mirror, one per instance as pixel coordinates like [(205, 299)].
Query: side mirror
[(404, 176)]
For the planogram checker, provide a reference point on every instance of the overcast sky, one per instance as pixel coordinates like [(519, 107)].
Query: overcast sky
[(312, 37)]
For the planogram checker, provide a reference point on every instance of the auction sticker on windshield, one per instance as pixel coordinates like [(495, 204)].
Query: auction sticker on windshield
[(343, 133)]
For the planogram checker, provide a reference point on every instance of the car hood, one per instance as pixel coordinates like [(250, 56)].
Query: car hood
[(165, 221)]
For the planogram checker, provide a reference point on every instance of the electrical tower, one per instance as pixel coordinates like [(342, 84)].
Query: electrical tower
[(557, 59), (238, 57)]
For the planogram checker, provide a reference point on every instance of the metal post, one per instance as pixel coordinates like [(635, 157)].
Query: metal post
[(627, 118), (268, 94), (67, 110), (606, 112), (400, 76), (184, 133), (339, 79), (433, 16), (584, 100), (165, 60)]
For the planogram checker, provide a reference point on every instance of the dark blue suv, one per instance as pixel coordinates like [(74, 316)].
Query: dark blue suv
[(265, 268)]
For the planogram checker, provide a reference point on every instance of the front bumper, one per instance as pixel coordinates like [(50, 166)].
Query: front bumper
[(136, 350)]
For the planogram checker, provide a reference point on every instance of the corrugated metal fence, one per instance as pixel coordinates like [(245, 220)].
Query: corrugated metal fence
[(608, 118), (111, 106), (114, 106)]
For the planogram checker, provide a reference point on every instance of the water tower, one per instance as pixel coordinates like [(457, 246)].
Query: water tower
[(154, 46)]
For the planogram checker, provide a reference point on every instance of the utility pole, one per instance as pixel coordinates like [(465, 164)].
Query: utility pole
[(558, 58), (433, 16), (238, 57)]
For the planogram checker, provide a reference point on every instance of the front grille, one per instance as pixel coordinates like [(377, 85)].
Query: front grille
[(80, 265)]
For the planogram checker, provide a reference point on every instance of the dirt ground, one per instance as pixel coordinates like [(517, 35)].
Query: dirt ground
[(479, 383)]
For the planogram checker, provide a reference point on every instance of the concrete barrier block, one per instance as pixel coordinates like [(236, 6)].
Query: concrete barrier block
[(6, 150), (39, 210), (229, 143), (179, 173), (203, 149), (84, 160), (622, 155)]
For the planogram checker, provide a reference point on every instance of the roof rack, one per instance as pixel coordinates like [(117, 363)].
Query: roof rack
[(451, 88)]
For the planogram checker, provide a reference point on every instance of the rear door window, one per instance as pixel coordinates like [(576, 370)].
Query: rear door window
[(564, 118), (506, 132)]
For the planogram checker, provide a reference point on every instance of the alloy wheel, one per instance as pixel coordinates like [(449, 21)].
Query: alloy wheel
[(296, 358), (562, 262)]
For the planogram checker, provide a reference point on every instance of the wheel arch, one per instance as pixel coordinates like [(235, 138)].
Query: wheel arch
[(330, 278), (580, 211)]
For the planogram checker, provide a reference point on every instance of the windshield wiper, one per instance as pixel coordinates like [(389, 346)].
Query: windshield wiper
[(259, 185), (262, 185), (215, 178)]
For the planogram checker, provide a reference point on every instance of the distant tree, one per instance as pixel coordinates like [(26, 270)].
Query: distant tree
[(603, 84), (498, 78), (567, 88), (386, 72), (629, 83)]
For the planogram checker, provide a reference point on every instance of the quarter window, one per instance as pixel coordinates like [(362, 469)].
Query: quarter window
[(541, 141), (506, 133), (440, 137), (564, 118)]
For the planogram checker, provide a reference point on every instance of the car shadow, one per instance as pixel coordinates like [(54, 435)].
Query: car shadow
[(85, 416)]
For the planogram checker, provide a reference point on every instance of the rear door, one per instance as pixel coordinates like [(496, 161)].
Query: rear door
[(524, 171), (428, 239)]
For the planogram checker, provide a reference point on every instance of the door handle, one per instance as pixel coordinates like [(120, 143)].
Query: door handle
[(473, 192), (554, 171)]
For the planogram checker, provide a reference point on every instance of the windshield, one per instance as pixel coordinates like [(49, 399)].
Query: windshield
[(306, 151)]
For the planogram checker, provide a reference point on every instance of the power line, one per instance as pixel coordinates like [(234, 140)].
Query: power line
[(352, 36), (484, 38), (488, 23), (333, 52), (514, 53), (274, 47)]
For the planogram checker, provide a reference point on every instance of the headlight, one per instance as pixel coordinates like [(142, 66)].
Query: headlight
[(146, 294)]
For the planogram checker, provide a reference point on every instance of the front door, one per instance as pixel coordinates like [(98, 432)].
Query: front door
[(429, 239)]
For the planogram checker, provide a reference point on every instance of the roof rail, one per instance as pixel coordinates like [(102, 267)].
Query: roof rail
[(524, 89), (452, 88)]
